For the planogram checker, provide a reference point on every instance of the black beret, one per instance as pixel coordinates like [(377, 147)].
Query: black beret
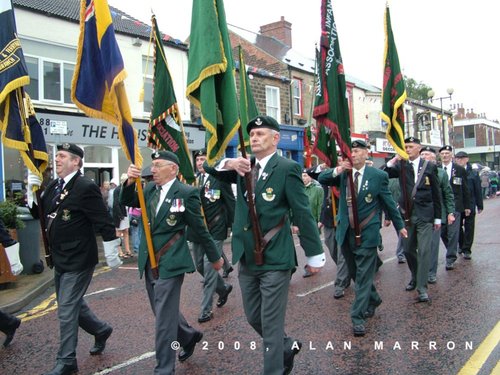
[(71, 148), (201, 152), (427, 148), (461, 154), (358, 143), (412, 140), (263, 122), (446, 148), (165, 155)]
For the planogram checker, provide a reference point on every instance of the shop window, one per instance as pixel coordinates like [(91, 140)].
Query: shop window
[(98, 154)]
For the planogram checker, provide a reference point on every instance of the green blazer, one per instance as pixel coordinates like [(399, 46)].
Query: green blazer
[(278, 192), (447, 198), (374, 194), (169, 221)]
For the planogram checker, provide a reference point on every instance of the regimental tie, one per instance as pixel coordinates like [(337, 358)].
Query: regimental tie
[(356, 182), (58, 189), (446, 171), (153, 203), (255, 175)]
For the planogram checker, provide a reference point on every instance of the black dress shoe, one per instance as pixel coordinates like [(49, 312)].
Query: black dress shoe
[(187, 351), (226, 273), (62, 369), (411, 285), (370, 311), (223, 297), (339, 293), (100, 341), (290, 356), (359, 330), (9, 333), (423, 297), (205, 317), (450, 266)]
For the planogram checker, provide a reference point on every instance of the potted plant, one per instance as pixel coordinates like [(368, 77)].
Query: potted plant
[(10, 216)]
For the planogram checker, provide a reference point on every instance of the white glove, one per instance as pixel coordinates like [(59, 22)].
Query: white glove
[(111, 253), (33, 181), (13, 255)]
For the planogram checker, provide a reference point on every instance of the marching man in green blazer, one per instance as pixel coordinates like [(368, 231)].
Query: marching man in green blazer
[(372, 187), (172, 206), (278, 190)]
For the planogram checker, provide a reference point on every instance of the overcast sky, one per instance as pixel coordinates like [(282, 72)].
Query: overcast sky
[(442, 43)]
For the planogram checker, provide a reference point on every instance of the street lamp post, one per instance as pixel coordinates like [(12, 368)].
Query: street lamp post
[(430, 95)]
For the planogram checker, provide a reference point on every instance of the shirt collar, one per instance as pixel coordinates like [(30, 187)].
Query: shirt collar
[(166, 186), (69, 177), (263, 162)]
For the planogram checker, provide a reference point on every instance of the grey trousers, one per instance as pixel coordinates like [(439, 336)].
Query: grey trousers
[(170, 325), (213, 282), (73, 311), (418, 250), (342, 279), (265, 296), (434, 257), (450, 235)]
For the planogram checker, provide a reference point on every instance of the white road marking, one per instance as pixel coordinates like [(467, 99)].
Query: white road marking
[(131, 361), (318, 288), (99, 291)]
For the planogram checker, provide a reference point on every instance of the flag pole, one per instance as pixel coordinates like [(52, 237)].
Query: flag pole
[(257, 233), (147, 229), (43, 226)]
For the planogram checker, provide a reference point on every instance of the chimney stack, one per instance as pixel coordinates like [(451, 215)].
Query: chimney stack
[(281, 30)]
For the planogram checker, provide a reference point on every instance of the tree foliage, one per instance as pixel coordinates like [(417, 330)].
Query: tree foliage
[(416, 90)]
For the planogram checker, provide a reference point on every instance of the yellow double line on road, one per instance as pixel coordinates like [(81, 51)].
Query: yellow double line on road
[(50, 304), (476, 362)]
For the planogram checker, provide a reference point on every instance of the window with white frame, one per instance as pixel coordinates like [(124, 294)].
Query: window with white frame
[(50, 80), (297, 96), (273, 102)]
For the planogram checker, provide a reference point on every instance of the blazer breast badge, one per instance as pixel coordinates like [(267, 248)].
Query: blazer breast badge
[(171, 220), (268, 195)]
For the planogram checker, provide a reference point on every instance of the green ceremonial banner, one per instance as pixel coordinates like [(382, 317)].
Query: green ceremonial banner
[(165, 126), (393, 92), (248, 108), (211, 85), (331, 108)]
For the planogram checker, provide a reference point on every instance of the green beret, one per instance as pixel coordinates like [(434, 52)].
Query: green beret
[(71, 148), (263, 122), (358, 143), (165, 155)]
